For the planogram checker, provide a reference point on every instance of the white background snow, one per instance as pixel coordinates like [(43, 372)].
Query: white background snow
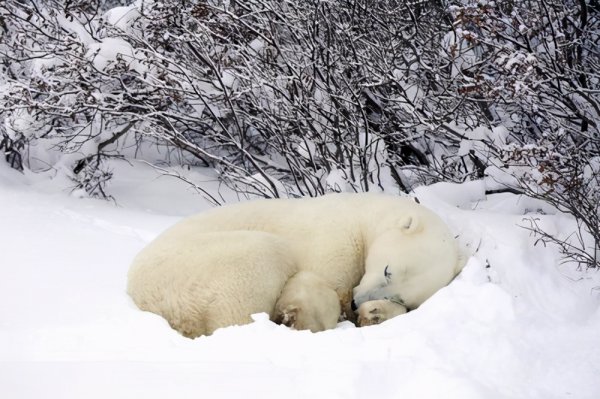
[(524, 327)]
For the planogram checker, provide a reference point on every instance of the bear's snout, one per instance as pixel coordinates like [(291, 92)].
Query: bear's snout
[(353, 306)]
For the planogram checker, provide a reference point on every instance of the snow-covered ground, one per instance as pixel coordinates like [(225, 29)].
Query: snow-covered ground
[(514, 324)]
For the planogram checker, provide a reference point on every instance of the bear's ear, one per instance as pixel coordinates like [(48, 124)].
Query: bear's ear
[(410, 224)]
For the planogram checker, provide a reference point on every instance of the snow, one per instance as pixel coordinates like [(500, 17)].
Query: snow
[(122, 17), (109, 49), (257, 45), (515, 324)]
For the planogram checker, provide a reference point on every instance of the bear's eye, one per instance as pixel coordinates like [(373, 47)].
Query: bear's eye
[(386, 273)]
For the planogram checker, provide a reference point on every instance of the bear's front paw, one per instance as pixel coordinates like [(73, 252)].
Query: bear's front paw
[(369, 315), (378, 311)]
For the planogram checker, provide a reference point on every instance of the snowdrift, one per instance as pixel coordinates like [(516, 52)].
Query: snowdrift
[(516, 323)]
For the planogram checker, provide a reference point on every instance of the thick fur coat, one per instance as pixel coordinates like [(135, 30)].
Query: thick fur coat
[(302, 261)]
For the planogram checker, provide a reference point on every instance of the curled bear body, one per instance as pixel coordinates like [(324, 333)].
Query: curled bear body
[(217, 268)]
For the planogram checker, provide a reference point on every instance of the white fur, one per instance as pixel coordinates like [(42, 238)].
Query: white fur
[(217, 268), (308, 303), (409, 264)]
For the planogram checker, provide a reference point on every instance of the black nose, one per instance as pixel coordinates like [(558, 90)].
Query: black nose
[(353, 306)]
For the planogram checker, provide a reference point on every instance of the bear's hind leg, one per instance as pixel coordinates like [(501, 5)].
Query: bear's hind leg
[(307, 303), (202, 282)]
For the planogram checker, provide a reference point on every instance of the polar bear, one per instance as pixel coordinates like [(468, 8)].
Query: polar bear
[(305, 262)]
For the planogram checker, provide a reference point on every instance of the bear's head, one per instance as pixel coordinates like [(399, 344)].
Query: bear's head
[(407, 263)]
